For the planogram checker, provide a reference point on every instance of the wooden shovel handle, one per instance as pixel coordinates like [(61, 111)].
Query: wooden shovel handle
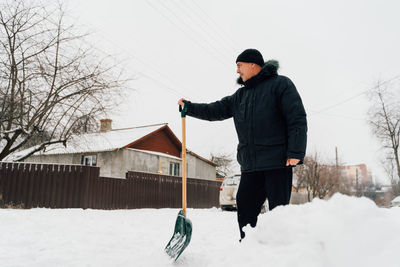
[(184, 171)]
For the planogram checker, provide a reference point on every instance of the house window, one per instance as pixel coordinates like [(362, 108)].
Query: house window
[(174, 169), (89, 160)]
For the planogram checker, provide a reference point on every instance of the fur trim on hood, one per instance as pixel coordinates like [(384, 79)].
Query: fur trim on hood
[(269, 69)]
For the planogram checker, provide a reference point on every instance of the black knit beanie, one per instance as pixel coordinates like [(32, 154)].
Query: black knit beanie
[(251, 56)]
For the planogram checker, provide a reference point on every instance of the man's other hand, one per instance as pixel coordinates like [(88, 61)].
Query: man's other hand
[(292, 162)]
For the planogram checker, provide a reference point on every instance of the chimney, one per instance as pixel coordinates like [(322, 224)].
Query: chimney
[(105, 125)]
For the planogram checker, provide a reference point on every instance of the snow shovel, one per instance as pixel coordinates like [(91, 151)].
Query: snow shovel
[(183, 226)]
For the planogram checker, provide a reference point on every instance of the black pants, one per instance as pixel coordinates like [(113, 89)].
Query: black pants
[(256, 187)]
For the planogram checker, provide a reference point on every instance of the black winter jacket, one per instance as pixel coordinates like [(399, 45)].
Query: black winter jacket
[(269, 117)]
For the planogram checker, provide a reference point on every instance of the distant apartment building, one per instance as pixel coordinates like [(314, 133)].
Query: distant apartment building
[(357, 177)]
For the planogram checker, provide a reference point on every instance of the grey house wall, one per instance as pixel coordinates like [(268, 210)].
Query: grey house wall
[(198, 168), (56, 158), (136, 161), (117, 162)]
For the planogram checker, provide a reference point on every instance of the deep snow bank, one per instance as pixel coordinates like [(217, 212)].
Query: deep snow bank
[(343, 231)]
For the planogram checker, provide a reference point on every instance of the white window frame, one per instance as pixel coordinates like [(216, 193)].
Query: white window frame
[(89, 160), (174, 168)]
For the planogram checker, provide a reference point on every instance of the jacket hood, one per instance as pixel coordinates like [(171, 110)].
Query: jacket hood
[(269, 69)]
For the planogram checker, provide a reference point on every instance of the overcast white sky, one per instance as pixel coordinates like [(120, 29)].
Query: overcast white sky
[(332, 50)]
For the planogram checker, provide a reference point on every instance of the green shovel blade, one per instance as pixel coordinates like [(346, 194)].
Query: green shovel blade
[(181, 238)]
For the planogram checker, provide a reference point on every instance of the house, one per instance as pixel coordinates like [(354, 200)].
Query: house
[(151, 148), (356, 174)]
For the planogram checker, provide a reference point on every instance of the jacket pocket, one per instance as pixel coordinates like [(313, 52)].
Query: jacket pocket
[(271, 155), (241, 154)]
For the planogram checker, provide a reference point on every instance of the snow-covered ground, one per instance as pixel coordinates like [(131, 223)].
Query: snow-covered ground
[(343, 231)]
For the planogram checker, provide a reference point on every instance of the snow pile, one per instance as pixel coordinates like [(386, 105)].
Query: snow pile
[(343, 231)]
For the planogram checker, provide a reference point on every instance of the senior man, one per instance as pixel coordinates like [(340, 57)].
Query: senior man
[(271, 126)]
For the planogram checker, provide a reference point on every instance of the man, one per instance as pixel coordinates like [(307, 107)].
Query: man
[(271, 125)]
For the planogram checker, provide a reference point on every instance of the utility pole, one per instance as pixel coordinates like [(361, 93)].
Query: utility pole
[(340, 181), (337, 158), (357, 185)]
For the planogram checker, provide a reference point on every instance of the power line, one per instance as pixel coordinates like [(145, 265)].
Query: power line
[(205, 32), (193, 29), (354, 96), (199, 43), (166, 86), (142, 73), (340, 116), (149, 65), (206, 23), (338, 104), (216, 24)]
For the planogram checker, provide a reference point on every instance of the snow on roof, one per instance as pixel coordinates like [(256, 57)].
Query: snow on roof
[(106, 141)]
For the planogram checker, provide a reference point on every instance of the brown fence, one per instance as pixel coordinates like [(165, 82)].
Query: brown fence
[(72, 186)]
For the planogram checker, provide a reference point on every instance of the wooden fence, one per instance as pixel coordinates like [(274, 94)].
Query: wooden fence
[(73, 186)]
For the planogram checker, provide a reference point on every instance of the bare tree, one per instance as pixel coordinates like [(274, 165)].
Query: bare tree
[(224, 163), (384, 119), (319, 179), (52, 82)]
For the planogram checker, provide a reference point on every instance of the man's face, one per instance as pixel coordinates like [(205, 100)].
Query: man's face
[(246, 70)]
